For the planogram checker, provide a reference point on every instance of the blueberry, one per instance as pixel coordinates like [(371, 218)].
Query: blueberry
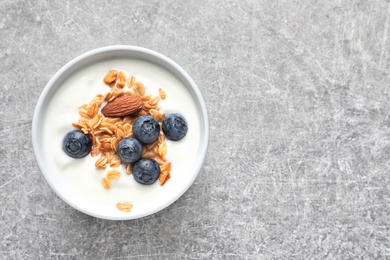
[(76, 144), (129, 150), (146, 171), (146, 129), (174, 126)]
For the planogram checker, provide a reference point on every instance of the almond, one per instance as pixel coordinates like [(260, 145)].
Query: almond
[(122, 106)]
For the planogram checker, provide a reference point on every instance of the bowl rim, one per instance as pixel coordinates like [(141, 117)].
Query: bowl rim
[(204, 142)]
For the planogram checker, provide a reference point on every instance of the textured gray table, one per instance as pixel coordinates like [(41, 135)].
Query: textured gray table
[(298, 98)]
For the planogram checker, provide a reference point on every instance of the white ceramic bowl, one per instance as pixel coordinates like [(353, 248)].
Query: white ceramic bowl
[(48, 150)]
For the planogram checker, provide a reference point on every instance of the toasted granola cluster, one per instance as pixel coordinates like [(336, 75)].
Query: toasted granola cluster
[(106, 132)]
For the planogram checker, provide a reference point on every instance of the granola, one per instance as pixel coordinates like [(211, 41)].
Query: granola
[(106, 132)]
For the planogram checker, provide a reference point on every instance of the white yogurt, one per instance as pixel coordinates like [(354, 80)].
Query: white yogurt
[(81, 181)]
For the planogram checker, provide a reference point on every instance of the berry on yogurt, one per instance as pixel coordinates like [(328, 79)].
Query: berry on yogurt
[(76, 144), (129, 150), (174, 126), (146, 129), (146, 171)]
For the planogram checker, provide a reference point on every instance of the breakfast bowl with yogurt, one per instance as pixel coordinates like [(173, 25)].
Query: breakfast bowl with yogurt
[(120, 132)]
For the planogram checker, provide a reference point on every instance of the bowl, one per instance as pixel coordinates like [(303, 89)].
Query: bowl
[(79, 182)]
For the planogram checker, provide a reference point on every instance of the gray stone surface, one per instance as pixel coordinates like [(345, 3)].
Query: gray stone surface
[(298, 98)]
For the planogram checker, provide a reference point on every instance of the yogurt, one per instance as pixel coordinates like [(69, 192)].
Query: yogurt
[(80, 179)]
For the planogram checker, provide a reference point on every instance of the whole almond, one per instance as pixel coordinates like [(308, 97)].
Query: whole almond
[(123, 106)]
